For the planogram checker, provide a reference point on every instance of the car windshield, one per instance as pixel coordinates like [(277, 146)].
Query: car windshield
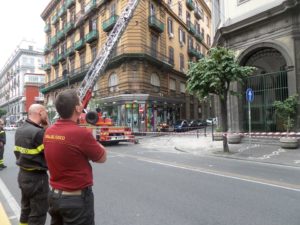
[(178, 122)]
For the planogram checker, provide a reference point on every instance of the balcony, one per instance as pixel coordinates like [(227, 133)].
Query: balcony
[(190, 4), (46, 67), (61, 11), (47, 28), (109, 24), (54, 61), (90, 6), (69, 26), (54, 19), (198, 13), (60, 34), (199, 37), (61, 57), (156, 24), (70, 3), (79, 44), (92, 36), (70, 51), (47, 49), (194, 53), (191, 28), (53, 40)]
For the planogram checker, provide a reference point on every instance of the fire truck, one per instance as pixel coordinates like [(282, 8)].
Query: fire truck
[(103, 128)]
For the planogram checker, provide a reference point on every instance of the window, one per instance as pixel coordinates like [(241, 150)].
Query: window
[(181, 36), (202, 31), (170, 26), (113, 80), (172, 85), (182, 87), (94, 52), (93, 24), (82, 59), (188, 18), (208, 40), (190, 43), (179, 9), (171, 55), (152, 9), (197, 26), (181, 62), (154, 41), (113, 9), (155, 80), (207, 21)]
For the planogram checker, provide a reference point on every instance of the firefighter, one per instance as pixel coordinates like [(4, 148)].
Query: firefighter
[(68, 151), (2, 143), (32, 177)]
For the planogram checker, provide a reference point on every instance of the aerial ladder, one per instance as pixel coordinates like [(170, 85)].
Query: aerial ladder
[(103, 127)]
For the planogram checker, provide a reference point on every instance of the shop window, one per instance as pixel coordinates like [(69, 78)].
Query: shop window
[(113, 82)]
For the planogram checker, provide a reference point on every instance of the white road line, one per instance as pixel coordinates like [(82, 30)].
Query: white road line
[(219, 174), (10, 200)]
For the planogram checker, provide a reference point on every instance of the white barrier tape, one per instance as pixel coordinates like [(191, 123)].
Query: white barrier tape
[(254, 134)]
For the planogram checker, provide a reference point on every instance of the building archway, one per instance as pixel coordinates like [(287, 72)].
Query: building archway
[(269, 83)]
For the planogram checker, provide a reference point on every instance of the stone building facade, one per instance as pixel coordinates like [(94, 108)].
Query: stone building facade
[(145, 81), (266, 35)]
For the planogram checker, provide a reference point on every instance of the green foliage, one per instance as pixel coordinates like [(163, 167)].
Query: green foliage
[(214, 73), (2, 112), (286, 110)]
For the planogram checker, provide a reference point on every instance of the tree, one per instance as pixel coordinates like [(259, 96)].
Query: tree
[(286, 110), (2, 112), (213, 75)]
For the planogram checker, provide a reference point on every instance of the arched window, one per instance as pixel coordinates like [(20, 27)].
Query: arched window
[(155, 80), (113, 80)]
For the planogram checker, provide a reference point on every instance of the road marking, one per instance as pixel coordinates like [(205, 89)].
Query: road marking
[(3, 217), (10, 200), (276, 184)]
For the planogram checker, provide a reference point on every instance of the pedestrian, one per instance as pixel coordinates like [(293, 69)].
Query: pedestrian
[(32, 177), (68, 150), (2, 143)]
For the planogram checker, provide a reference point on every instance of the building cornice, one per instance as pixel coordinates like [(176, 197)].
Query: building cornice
[(49, 8), (277, 10)]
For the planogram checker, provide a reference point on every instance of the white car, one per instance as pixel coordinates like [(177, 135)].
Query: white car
[(10, 127)]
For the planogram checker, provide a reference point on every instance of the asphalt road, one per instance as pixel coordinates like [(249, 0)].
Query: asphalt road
[(140, 185)]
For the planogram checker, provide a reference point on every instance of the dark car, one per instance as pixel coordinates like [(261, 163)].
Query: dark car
[(181, 125), (193, 124)]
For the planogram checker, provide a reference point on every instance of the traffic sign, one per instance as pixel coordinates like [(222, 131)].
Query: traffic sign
[(249, 95)]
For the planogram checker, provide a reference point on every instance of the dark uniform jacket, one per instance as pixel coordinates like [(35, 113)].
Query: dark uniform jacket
[(29, 148), (2, 137)]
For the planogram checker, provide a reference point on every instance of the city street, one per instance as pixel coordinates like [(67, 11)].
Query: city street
[(152, 183)]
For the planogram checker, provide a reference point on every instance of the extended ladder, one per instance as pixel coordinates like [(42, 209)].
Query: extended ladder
[(99, 64)]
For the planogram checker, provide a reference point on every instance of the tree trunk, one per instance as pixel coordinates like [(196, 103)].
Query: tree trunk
[(224, 122)]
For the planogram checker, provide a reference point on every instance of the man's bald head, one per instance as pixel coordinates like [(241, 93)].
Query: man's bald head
[(35, 109), (38, 114)]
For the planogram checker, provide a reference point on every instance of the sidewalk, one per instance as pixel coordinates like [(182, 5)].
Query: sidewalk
[(260, 152)]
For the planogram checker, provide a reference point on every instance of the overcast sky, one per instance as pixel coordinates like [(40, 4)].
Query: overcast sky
[(20, 19)]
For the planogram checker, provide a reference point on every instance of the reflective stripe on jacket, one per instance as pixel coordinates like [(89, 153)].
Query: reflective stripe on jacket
[(29, 148)]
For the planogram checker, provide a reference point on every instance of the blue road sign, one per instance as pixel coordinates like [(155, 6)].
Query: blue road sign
[(249, 95)]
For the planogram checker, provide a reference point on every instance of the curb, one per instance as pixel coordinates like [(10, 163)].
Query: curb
[(3, 217)]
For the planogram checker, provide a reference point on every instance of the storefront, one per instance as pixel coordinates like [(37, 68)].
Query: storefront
[(142, 116)]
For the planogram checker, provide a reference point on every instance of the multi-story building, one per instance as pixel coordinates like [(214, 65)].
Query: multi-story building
[(20, 79), (145, 81), (266, 35)]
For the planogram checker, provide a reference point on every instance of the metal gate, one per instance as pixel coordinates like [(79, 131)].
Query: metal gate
[(267, 89)]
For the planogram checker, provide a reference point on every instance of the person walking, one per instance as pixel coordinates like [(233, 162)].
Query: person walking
[(32, 177), (2, 143), (68, 150)]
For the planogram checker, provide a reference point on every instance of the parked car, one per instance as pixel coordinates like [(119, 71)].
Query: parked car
[(211, 121), (201, 123), (193, 124), (162, 127), (181, 125)]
